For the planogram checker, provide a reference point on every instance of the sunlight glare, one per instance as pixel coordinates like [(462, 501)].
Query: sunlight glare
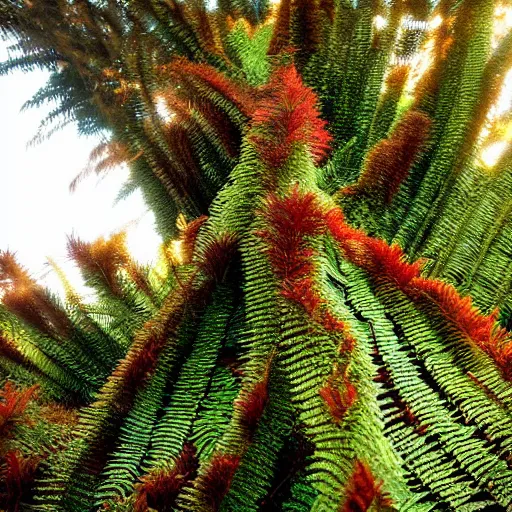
[(491, 155)]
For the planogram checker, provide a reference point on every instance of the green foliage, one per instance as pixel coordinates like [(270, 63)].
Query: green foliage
[(286, 357)]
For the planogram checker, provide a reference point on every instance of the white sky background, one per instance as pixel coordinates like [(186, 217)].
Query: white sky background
[(37, 211)]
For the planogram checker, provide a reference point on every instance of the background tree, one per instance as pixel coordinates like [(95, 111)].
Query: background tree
[(309, 339)]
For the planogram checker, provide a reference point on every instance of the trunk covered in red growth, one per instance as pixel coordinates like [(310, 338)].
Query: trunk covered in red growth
[(217, 479), (291, 222), (288, 115), (363, 491), (389, 162), (160, 489)]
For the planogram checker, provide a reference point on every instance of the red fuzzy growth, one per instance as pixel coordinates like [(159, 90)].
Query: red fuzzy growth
[(18, 477), (384, 261), (13, 404), (290, 221), (373, 254), (391, 261), (482, 329), (288, 116), (217, 479), (281, 35), (252, 406), (160, 489), (338, 401), (363, 491), (189, 235), (193, 75), (389, 162)]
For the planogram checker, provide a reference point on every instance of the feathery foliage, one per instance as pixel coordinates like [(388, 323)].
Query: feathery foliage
[(328, 328)]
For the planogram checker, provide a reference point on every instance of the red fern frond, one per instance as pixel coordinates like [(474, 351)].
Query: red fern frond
[(482, 329), (338, 400), (160, 489), (383, 261), (363, 491), (288, 115), (18, 476), (390, 260), (291, 222), (13, 403), (217, 479), (389, 162), (373, 254)]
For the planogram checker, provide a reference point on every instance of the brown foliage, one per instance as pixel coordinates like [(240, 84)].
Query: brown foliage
[(389, 162)]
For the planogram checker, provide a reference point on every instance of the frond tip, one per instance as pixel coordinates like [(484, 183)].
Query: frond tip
[(288, 116), (389, 162)]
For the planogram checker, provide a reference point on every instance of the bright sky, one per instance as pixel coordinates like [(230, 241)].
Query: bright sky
[(37, 211)]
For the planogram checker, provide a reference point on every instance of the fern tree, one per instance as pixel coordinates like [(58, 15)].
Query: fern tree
[(322, 330)]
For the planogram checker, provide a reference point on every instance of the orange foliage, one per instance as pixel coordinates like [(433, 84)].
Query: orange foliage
[(397, 78), (389, 162), (389, 262), (103, 258), (59, 414), (29, 301), (288, 115), (363, 491)]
